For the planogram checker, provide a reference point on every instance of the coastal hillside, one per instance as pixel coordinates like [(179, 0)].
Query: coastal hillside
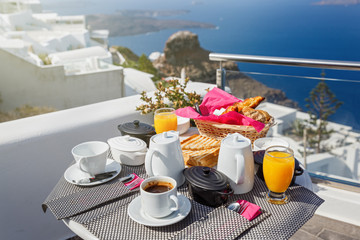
[(133, 22), (183, 50)]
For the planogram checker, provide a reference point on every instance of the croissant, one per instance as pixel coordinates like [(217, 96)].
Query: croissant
[(249, 102), (230, 108)]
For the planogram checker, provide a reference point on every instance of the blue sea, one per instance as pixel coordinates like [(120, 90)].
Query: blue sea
[(283, 28)]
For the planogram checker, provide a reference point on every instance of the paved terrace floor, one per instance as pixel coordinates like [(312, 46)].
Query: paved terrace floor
[(318, 228)]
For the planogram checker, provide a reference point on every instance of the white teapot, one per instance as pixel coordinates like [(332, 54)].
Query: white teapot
[(164, 157), (236, 161)]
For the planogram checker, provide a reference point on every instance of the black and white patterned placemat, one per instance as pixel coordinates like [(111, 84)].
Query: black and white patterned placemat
[(276, 222), (68, 199), (285, 219), (106, 216), (203, 222)]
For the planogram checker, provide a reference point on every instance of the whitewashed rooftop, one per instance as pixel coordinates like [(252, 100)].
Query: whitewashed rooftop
[(137, 81), (78, 54)]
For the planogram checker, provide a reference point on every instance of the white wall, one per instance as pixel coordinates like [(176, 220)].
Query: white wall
[(286, 114), (19, 19), (24, 83), (328, 163), (36, 151)]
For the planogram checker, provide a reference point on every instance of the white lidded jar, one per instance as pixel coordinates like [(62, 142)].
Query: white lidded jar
[(128, 150)]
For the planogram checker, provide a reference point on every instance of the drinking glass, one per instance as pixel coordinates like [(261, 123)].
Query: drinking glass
[(165, 120), (278, 169)]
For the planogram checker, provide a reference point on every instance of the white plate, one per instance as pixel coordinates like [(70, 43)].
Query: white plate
[(138, 215), (73, 173)]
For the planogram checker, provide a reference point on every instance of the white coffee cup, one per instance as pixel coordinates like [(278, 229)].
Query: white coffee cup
[(264, 143), (159, 204), (91, 157)]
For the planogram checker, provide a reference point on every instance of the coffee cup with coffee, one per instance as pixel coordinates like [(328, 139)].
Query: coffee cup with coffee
[(159, 196), (91, 156)]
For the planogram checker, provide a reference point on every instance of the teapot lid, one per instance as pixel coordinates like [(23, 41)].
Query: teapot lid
[(206, 178), (236, 140), (127, 143), (165, 137), (136, 128)]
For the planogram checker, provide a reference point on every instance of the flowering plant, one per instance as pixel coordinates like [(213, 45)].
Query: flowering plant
[(168, 94)]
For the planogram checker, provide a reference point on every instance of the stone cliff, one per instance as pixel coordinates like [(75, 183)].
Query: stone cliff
[(183, 50)]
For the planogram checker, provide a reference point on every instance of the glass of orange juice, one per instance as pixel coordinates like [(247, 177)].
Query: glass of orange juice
[(278, 169), (165, 120)]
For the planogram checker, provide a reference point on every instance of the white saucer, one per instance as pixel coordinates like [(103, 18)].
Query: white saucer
[(138, 215), (73, 173)]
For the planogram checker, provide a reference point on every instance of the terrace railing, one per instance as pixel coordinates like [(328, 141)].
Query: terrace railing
[(338, 157)]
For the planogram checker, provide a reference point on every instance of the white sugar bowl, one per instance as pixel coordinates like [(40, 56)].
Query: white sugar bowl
[(128, 150)]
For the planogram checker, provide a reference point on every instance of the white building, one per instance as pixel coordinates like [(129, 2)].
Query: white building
[(55, 61), (57, 86)]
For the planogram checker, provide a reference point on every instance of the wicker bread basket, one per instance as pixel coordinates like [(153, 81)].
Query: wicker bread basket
[(220, 130)]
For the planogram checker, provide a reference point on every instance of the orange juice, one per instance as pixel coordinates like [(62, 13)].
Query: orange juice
[(278, 169), (165, 121)]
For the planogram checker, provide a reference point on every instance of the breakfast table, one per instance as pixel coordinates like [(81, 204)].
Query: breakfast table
[(102, 211)]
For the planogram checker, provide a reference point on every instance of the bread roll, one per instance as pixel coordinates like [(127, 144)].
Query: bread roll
[(258, 115)]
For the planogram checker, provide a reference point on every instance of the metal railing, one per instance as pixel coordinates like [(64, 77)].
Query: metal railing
[(284, 61), (294, 62)]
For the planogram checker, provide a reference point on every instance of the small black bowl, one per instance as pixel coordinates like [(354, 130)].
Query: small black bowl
[(259, 157)]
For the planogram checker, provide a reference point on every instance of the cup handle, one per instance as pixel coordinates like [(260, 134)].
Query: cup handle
[(148, 162), (176, 201), (240, 168), (79, 163)]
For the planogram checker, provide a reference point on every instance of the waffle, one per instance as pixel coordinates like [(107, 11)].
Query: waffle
[(198, 142), (207, 157), (200, 151)]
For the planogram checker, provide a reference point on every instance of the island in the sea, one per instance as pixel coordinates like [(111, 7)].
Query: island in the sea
[(337, 2), (133, 22)]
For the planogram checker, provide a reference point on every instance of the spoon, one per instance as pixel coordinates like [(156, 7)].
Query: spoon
[(235, 206), (239, 208), (127, 178)]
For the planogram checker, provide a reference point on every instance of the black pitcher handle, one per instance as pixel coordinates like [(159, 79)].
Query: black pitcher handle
[(299, 171), (231, 191)]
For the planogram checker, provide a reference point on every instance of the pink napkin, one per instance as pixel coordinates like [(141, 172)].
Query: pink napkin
[(251, 212), (136, 178), (217, 99)]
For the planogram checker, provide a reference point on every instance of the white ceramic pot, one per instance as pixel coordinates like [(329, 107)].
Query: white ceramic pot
[(128, 150), (164, 157), (236, 161)]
